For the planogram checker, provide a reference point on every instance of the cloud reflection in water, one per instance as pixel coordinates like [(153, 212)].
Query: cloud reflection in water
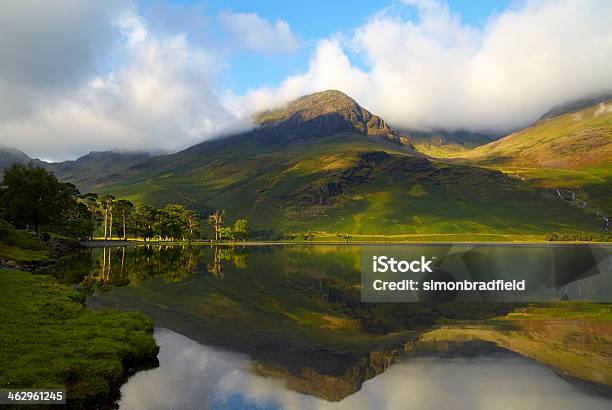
[(193, 376)]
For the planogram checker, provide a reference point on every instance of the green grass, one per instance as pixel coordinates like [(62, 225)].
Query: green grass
[(21, 246), (50, 340), (449, 150), (591, 184), (424, 238), (18, 254)]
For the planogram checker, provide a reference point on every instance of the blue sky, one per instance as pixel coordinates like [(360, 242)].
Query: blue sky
[(313, 20)]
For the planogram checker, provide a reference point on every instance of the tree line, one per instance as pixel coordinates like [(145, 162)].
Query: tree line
[(31, 197)]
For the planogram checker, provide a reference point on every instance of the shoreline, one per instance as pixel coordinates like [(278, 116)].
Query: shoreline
[(112, 243), (102, 348)]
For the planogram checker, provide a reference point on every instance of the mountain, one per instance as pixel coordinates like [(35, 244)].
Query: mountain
[(444, 143), (10, 156), (575, 105), (325, 113), (572, 140), (570, 148), (87, 172), (96, 168), (325, 164)]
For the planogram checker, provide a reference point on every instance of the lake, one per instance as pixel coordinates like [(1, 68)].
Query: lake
[(283, 326), (195, 376)]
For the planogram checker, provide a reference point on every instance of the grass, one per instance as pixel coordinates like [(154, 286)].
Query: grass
[(591, 184), (50, 340), (424, 238), (18, 254), (21, 246)]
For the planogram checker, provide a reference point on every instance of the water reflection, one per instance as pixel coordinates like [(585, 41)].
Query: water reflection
[(193, 376), (98, 269), (296, 312)]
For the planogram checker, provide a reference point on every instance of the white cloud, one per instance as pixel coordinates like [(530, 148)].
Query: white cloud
[(329, 68), (152, 91), (257, 34), (439, 73), (100, 74)]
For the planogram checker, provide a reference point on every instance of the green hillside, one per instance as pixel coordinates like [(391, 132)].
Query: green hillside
[(447, 144), (343, 170), (573, 140), (566, 150), (96, 167)]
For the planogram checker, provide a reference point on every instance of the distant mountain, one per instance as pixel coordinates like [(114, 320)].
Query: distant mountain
[(10, 156), (97, 168), (576, 105), (326, 164), (444, 143), (576, 138), (570, 148)]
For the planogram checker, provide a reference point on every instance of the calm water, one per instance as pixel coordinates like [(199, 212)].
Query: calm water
[(194, 376), (284, 327)]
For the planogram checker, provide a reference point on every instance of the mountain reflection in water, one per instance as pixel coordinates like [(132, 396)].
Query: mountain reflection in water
[(294, 317), (193, 376)]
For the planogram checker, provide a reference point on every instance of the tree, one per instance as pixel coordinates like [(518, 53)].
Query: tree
[(142, 220), (216, 220), (107, 204), (227, 232), (32, 195), (91, 202), (241, 229), (174, 221), (124, 206), (76, 222), (193, 225)]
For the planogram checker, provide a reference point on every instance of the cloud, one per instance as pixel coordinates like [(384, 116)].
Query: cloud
[(254, 33), (79, 76), (437, 72), (191, 375), (329, 68), (45, 51), (101, 79)]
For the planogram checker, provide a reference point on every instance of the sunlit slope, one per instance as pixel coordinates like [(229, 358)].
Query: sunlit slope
[(348, 183), (571, 151), (573, 140)]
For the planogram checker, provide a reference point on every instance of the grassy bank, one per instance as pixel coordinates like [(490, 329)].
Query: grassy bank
[(328, 238), (50, 340), (21, 246), (442, 238)]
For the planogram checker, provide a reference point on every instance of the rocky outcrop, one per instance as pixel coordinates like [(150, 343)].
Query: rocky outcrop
[(363, 172), (325, 113)]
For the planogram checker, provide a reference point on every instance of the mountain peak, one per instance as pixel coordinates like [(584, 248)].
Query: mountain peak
[(324, 113), (323, 102)]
